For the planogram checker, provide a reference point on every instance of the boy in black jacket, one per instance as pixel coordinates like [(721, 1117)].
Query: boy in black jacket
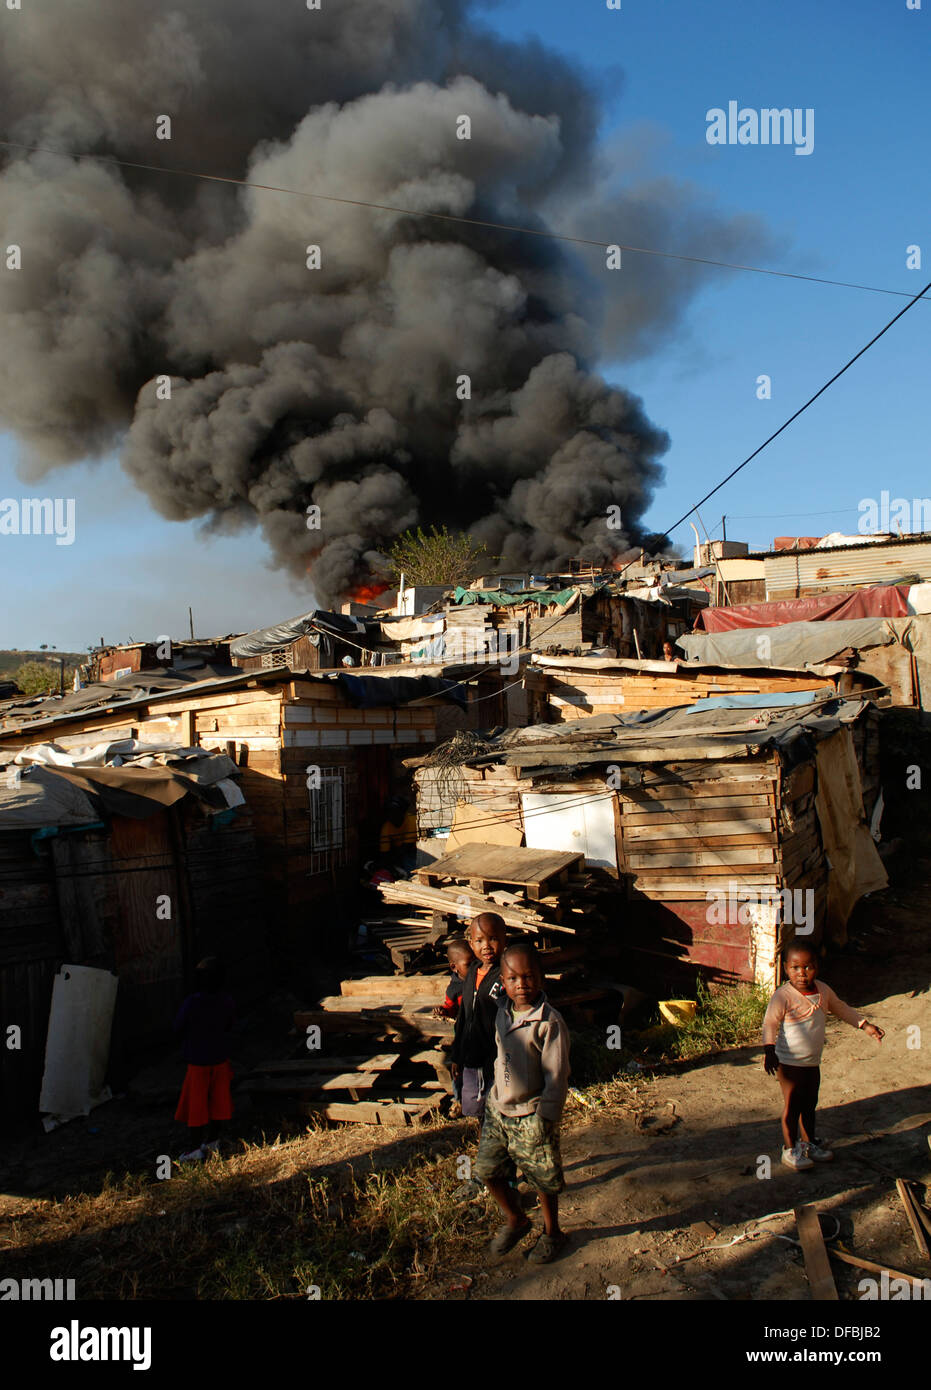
[(475, 1045)]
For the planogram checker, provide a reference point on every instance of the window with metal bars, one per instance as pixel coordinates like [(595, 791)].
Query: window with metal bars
[(328, 840)]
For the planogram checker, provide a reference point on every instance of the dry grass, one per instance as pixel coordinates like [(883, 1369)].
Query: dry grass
[(357, 1216)]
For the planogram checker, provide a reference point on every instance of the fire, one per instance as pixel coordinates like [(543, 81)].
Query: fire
[(364, 593)]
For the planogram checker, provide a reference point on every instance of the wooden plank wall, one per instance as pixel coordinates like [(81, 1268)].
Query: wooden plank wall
[(30, 953), (568, 694), (691, 826)]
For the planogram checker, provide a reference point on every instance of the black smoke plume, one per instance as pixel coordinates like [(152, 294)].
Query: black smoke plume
[(333, 387)]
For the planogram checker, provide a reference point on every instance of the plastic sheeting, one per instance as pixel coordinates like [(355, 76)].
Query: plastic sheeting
[(376, 692), (504, 598), (877, 601), (269, 639), (77, 1050), (855, 867), (35, 798), (793, 646), (54, 786)]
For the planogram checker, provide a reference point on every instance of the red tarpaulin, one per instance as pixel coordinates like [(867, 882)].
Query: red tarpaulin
[(878, 601)]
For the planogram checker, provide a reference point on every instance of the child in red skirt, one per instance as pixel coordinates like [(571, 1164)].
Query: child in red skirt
[(204, 1020)]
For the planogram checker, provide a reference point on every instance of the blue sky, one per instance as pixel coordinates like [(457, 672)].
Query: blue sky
[(847, 211)]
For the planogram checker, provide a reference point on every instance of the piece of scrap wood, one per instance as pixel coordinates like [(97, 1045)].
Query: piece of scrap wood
[(817, 1264), (870, 1266), (908, 1202)]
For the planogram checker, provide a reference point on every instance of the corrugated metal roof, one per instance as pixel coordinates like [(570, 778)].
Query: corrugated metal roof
[(794, 569)]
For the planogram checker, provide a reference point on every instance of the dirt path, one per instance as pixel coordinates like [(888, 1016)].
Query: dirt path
[(633, 1200)]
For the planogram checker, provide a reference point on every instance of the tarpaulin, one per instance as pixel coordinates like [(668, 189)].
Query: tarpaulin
[(267, 639), (855, 867), (410, 629), (35, 798), (376, 692), (504, 598), (135, 781), (877, 601), (792, 647)]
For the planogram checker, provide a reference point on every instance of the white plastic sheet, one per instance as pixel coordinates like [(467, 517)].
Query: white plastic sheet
[(78, 1047)]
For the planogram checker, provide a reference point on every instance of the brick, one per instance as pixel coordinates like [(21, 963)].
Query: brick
[(360, 736), (330, 738)]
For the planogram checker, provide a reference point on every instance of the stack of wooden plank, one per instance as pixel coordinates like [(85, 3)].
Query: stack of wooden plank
[(532, 890), (381, 1057), (469, 631)]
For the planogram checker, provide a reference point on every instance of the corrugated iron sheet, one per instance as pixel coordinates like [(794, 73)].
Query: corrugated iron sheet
[(813, 570)]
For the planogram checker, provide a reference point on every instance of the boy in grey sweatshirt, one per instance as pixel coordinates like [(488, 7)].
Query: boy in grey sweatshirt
[(525, 1104)]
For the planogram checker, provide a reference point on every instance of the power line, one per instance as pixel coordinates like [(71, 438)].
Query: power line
[(788, 516), (454, 217), (786, 423)]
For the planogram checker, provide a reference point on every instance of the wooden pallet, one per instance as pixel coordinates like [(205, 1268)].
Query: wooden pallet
[(538, 872)]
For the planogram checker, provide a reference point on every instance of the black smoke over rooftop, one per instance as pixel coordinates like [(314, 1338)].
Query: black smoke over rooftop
[(336, 386)]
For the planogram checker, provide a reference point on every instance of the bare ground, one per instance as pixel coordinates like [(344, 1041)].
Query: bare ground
[(638, 1193), (633, 1199)]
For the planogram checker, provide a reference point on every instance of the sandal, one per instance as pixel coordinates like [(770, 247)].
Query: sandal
[(546, 1248), (507, 1237)]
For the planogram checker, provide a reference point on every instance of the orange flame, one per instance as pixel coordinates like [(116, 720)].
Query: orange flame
[(364, 593)]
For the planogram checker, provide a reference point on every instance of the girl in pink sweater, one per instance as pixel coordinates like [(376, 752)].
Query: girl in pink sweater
[(793, 1038)]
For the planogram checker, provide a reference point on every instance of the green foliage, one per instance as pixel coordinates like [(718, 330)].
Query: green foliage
[(41, 677), (437, 556)]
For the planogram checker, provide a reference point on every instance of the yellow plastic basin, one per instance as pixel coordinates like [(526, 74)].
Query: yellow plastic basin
[(677, 1011)]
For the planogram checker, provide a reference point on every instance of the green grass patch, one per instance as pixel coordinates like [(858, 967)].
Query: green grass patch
[(725, 1018)]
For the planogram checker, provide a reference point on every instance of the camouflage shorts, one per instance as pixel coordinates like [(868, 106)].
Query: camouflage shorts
[(531, 1143)]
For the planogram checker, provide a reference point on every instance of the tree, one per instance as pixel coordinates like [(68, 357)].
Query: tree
[(436, 556), (39, 678)]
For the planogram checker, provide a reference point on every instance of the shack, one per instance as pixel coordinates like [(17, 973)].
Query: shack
[(603, 614), (318, 756), (727, 825), (127, 858)]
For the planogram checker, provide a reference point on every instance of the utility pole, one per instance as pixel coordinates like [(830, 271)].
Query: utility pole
[(190, 614)]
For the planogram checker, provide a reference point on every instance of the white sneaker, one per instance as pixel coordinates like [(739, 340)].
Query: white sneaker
[(817, 1151), (195, 1156), (797, 1158)]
